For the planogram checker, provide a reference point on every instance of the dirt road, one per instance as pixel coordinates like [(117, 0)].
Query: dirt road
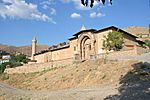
[(91, 93)]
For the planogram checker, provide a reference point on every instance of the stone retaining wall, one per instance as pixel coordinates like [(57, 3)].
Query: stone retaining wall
[(118, 54), (141, 50), (37, 67)]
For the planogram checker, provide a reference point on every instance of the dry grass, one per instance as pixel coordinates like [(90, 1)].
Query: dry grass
[(88, 73)]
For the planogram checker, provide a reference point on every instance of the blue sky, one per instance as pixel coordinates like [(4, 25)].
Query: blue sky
[(54, 21)]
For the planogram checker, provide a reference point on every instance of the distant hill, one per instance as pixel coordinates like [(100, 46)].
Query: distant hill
[(2, 46), (137, 30), (22, 49)]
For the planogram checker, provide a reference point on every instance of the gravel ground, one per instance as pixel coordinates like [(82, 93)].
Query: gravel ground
[(91, 93)]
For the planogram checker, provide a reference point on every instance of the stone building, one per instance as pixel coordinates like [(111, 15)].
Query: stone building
[(86, 44)]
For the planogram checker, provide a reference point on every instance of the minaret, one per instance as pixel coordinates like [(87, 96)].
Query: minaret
[(34, 41), (82, 28)]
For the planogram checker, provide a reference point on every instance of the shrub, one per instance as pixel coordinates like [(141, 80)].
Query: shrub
[(4, 65), (16, 64), (2, 68), (21, 58)]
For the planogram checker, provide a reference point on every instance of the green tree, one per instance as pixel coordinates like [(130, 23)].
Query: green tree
[(21, 58), (113, 41), (86, 2), (3, 66)]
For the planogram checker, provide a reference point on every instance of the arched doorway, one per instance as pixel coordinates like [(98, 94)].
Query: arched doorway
[(85, 46)]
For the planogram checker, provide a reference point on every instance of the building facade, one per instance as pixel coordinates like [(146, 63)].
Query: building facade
[(85, 44)]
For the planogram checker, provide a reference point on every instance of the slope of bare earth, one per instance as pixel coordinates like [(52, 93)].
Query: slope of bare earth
[(2, 46), (89, 80), (27, 49), (137, 30), (22, 49)]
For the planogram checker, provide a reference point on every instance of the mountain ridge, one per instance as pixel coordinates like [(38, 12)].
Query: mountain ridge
[(26, 50)]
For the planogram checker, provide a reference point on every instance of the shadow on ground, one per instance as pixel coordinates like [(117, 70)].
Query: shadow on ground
[(135, 85)]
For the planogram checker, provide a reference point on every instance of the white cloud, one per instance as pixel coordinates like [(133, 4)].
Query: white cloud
[(94, 15), (45, 6), (47, 2), (100, 15), (78, 4), (53, 11), (23, 10), (75, 15)]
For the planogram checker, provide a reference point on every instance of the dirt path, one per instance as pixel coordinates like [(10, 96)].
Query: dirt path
[(91, 93)]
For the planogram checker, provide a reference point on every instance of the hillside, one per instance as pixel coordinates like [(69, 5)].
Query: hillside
[(22, 49), (137, 30), (2, 46), (88, 73), (89, 80)]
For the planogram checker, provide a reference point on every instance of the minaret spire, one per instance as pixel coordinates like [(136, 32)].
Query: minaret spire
[(34, 42)]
